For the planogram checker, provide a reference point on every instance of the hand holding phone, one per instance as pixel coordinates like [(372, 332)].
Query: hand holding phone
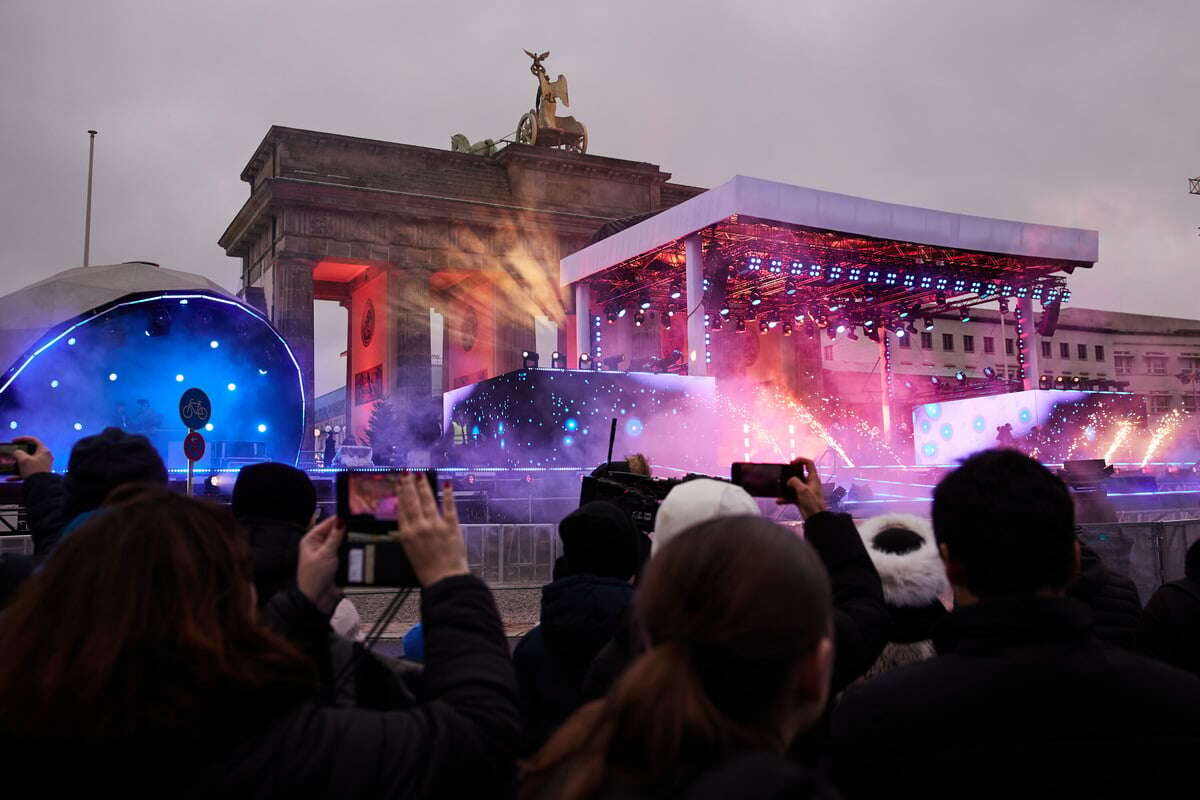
[(433, 541), (22, 456), (805, 485)]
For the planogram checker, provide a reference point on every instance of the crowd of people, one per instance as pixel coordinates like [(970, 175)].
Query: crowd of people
[(159, 643)]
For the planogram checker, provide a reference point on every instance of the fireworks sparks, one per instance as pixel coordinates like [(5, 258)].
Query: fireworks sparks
[(1165, 428)]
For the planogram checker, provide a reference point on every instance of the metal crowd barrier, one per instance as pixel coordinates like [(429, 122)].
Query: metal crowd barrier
[(1150, 553)]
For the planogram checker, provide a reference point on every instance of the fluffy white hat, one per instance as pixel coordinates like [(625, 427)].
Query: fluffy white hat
[(914, 578), (698, 501)]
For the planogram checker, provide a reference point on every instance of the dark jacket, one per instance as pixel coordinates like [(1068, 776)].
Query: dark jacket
[(763, 776), (1112, 598), (1170, 629), (1022, 700), (459, 742), (860, 617), (45, 515), (579, 615)]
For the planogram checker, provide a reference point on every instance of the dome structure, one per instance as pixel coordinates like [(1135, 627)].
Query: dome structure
[(118, 345)]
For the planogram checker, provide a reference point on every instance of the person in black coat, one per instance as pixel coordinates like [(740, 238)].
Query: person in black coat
[(1170, 627), (56, 504), (1022, 698), (581, 610), (1112, 598), (136, 654)]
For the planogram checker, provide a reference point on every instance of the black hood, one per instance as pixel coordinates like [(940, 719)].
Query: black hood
[(276, 548), (582, 612)]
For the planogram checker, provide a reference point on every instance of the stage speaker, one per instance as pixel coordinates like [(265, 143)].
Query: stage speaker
[(1048, 324)]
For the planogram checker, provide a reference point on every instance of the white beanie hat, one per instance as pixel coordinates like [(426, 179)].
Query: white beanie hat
[(698, 501)]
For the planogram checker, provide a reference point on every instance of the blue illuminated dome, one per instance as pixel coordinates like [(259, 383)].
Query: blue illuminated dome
[(125, 363)]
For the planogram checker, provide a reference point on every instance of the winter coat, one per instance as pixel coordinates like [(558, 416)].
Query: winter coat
[(1022, 700), (1112, 598), (45, 502), (1170, 628), (579, 615), (458, 743), (860, 617)]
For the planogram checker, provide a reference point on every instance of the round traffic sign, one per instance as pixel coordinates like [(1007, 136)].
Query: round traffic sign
[(193, 446), (195, 409)]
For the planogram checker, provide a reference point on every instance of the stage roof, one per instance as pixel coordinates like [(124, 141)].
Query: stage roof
[(1049, 247)]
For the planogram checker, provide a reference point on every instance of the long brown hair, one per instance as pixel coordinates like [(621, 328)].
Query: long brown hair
[(142, 623), (729, 608)]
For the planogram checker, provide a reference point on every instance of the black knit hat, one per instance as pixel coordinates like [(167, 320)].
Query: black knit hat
[(600, 539), (101, 463), (274, 491)]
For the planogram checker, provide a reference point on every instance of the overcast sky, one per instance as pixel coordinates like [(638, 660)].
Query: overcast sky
[(1069, 113)]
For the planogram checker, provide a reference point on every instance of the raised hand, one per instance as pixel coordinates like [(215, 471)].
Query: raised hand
[(809, 497), (317, 568), (432, 540)]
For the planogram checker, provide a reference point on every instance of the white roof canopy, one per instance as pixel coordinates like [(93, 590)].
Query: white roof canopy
[(797, 205)]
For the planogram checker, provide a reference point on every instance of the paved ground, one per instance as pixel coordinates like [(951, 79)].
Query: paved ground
[(518, 607)]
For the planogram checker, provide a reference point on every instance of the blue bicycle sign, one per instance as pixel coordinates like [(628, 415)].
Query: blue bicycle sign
[(195, 409)]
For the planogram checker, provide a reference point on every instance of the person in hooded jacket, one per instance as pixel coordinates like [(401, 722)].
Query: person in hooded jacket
[(582, 609), (904, 552), (1170, 626)]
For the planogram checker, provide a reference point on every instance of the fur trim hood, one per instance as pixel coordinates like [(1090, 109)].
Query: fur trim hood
[(912, 579)]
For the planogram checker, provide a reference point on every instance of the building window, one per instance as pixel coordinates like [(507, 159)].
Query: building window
[(1099, 352), (1156, 365), (1045, 349), (1189, 403), (1064, 350), (1009, 346), (989, 345), (1158, 403), (1189, 363), (948, 341), (1123, 365), (968, 344), (829, 352), (1081, 351), (905, 342), (926, 341)]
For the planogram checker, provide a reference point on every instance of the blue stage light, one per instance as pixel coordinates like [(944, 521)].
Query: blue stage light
[(231, 387), (78, 426), (208, 427), (183, 302), (214, 344), (179, 377), (571, 424), (12, 425), (262, 428), (54, 383), (112, 376), (262, 372), (71, 341), (568, 441)]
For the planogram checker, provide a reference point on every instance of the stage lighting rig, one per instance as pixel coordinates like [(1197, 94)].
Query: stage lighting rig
[(928, 323), (960, 376), (787, 329), (851, 335), (639, 319), (964, 314), (586, 362), (790, 287), (740, 327), (676, 291), (715, 324), (644, 302), (989, 373), (665, 319), (529, 359), (755, 297), (763, 327), (558, 360), (1003, 305), (940, 298)]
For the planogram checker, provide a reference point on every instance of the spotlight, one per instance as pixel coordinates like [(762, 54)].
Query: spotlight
[(841, 327), (71, 341), (558, 360), (900, 332), (614, 362), (964, 314), (741, 326), (212, 485), (262, 428), (790, 287), (665, 319), (1003, 305), (989, 373), (214, 344), (644, 303), (909, 385), (872, 334), (621, 311), (715, 324), (725, 310), (810, 329), (787, 329), (904, 312), (612, 318), (929, 323), (231, 387), (960, 376), (112, 376), (870, 323), (639, 318), (935, 380), (911, 327), (940, 297), (763, 327), (676, 291), (831, 333), (1075, 381), (179, 377), (755, 298), (529, 359), (1044, 382), (585, 361)]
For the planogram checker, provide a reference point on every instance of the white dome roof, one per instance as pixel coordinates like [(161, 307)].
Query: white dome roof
[(26, 314)]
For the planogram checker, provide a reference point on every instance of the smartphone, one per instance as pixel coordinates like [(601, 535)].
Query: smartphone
[(8, 463), (370, 556), (766, 480)]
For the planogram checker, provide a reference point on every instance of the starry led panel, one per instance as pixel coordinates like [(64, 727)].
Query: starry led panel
[(561, 418), (126, 364), (1050, 424)]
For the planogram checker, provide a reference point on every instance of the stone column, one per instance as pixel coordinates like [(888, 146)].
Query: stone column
[(410, 381), (694, 288), (292, 316)]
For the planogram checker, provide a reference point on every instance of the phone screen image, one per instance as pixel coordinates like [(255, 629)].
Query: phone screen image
[(372, 494)]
